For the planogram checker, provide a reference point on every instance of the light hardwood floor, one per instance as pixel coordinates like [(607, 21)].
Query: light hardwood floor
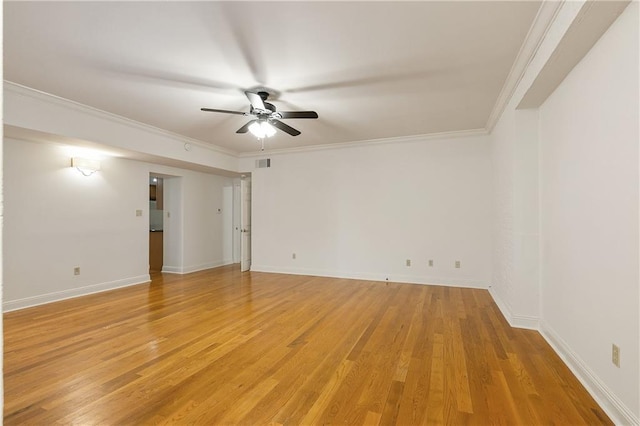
[(223, 347)]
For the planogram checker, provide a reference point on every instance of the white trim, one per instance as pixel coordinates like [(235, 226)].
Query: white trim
[(194, 268), (615, 409), (10, 86), (19, 89), (588, 21), (28, 302), (171, 269), (606, 399), (504, 307), (355, 144), (516, 321), (526, 322), (405, 279), (537, 32)]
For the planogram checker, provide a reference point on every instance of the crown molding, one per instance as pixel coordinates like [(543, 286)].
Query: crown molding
[(369, 142), (537, 32), (10, 86), (589, 21)]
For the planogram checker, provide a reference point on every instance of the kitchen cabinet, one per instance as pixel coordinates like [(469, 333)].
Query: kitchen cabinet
[(156, 194)]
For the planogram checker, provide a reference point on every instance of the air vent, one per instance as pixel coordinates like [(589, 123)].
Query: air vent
[(263, 163)]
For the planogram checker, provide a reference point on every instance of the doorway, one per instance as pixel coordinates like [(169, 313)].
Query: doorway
[(167, 233), (156, 223)]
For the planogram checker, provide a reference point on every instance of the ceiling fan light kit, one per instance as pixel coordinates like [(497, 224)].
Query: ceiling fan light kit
[(267, 119), (261, 129)]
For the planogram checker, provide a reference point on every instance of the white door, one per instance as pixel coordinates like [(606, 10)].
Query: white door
[(245, 224)]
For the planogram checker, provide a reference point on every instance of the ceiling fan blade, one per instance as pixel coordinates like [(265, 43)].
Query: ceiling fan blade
[(256, 101), (298, 114), (224, 111), (284, 127), (245, 128)]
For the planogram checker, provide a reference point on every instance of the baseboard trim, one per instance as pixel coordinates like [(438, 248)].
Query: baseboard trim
[(517, 321), (181, 270), (27, 302), (614, 408), (406, 279), (522, 321), (611, 404)]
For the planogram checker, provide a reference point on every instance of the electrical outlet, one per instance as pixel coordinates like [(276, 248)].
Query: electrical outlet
[(293, 256), (457, 264), (408, 263), (615, 355), (138, 213), (430, 262), (76, 270)]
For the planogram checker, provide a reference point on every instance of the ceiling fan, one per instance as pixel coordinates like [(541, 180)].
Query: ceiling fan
[(267, 119)]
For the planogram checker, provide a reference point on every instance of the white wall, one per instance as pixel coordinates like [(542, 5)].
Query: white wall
[(236, 249), (227, 223), (361, 211), (1, 232), (515, 280), (57, 219), (565, 220), (197, 221), (589, 211), (203, 197), (173, 235), (503, 233), (30, 109)]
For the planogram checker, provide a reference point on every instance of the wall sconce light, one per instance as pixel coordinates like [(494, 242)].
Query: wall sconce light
[(85, 166)]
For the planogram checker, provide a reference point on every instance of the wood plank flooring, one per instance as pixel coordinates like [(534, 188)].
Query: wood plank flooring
[(224, 347)]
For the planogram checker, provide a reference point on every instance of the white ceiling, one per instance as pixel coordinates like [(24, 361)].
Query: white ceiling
[(370, 69)]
